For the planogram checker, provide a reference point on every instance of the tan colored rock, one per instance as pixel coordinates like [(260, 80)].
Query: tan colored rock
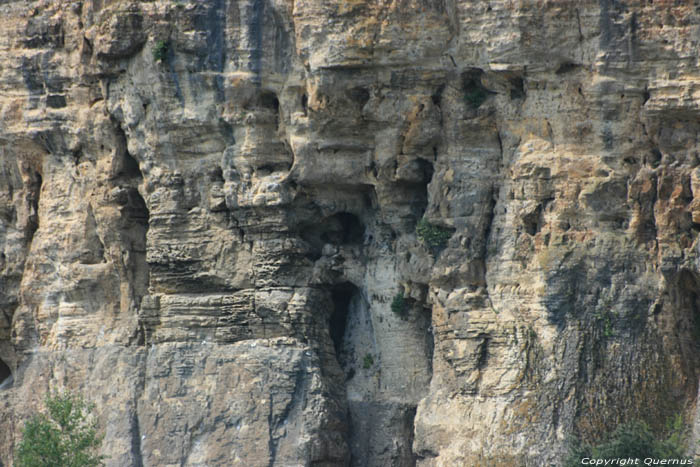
[(208, 246)]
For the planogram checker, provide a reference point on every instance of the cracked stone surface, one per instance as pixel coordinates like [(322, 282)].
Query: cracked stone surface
[(206, 242)]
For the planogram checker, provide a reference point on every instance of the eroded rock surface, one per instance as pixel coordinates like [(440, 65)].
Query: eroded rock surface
[(208, 208)]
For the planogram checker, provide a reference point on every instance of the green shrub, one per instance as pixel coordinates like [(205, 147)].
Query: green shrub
[(631, 440), (398, 304), (604, 318), (160, 51), (66, 435), (432, 235), (368, 361)]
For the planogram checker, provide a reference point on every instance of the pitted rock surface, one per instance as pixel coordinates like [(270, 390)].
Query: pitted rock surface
[(207, 210)]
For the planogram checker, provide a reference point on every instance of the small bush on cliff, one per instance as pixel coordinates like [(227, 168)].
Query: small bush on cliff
[(160, 50), (398, 304), (631, 440), (66, 435), (432, 235)]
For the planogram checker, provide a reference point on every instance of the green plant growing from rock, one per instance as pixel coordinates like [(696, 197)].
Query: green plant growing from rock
[(367, 361), (432, 235), (160, 51), (398, 304), (605, 318), (632, 440), (66, 435)]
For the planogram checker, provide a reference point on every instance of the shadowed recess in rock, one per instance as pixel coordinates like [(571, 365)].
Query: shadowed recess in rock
[(5, 375), (34, 194), (474, 91), (342, 295), (343, 228)]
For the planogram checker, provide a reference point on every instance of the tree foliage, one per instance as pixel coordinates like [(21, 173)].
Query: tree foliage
[(66, 435), (398, 304), (160, 51), (432, 235), (632, 440)]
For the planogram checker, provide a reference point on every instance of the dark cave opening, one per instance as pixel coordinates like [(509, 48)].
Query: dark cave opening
[(483, 352), (533, 221), (136, 210), (268, 100), (342, 228), (34, 198), (130, 168), (341, 294), (475, 93), (305, 104), (426, 168), (5, 374)]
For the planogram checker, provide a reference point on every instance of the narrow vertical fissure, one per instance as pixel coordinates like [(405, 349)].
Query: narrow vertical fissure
[(137, 218), (341, 295), (134, 223), (6, 377), (34, 196)]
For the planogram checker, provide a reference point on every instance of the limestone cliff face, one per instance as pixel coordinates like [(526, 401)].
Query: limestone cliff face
[(207, 209)]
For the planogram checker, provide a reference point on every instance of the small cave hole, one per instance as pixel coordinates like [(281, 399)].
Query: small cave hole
[(77, 155), (341, 294), (130, 167), (305, 104), (567, 67), (517, 90), (533, 221), (474, 92), (269, 100), (654, 158), (6, 378), (483, 353), (35, 187), (136, 210), (265, 169), (427, 169), (437, 95), (343, 228), (216, 174)]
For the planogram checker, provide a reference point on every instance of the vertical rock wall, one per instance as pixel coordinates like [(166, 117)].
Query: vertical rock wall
[(208, 208)]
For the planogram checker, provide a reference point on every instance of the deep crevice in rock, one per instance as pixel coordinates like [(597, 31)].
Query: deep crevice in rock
[(517, 90), (34, 190), (342, 228), (567, 67), (533, 221), (130, 168), (483, 352), (341, 295), (6, 377), (268, 100), (134, 223), (475, 93), (305, 104)]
